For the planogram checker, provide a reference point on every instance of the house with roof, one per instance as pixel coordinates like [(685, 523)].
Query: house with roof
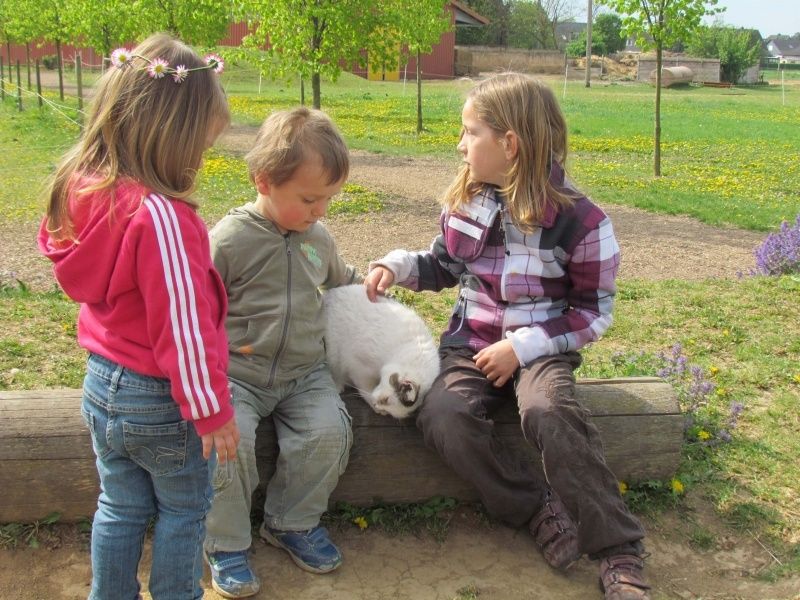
[(785, 50)]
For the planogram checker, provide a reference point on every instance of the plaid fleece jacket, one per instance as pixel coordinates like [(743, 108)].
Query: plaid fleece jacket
[(548, 291)]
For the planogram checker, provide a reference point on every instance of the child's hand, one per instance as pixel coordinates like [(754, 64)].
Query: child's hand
[(498, 362), (377, 282), (224, 440)]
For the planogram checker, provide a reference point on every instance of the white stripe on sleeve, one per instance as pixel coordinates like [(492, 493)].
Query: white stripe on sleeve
[(170, 250)]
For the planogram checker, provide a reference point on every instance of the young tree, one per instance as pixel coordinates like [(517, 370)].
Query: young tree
[(659, 24), (736, 49), (43, 20), (105, 24), (525, 25), (415, 26), (308, 37), (608, 27), (199, 22)]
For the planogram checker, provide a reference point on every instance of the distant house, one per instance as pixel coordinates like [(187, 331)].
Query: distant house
[(440, 62), (567, 32), (785, 50)]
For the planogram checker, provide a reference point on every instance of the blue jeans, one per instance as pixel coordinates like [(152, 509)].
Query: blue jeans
[(151, 464)]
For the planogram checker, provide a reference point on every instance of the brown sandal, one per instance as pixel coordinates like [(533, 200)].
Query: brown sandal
[(555, 533), (622, 579)]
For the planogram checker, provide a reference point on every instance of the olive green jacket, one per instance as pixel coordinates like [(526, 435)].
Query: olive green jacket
[(275, 324)]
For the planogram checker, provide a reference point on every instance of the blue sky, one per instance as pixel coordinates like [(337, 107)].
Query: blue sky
[(770, 17)]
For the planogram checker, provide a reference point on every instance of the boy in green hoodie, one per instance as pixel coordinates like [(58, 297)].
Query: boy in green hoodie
[(274, 257)]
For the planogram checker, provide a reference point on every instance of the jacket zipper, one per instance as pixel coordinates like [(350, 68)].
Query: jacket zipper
[(285, 329)]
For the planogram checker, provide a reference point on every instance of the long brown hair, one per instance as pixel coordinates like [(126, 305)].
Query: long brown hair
[(151, 130), (527, 107)]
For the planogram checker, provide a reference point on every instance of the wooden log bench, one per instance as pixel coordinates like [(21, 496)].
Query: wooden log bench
[(47, 463)]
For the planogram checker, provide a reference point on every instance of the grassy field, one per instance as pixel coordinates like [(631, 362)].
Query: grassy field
[(729, 157)]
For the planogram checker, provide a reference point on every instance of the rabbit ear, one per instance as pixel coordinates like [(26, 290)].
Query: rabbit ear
[(394, 380)]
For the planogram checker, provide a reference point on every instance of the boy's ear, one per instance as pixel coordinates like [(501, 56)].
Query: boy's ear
[(510, 143), (262, 184)]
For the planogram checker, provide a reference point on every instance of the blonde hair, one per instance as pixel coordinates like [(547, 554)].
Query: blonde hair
[(151, 130), (287, 137), (528, 108)]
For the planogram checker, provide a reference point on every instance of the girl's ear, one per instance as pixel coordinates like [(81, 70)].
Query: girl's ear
[(510, 144), (262, 184)]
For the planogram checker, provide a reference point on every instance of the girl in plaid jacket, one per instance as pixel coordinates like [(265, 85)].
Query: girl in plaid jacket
[(536, 262)]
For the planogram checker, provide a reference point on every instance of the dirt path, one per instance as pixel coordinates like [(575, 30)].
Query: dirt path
[(494, 562)]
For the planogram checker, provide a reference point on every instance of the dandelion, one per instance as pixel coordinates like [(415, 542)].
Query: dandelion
[(157, 68), (623, 487), (677, 487), (121, 57), (180, 73), (361, 522), (703, 435), (796, 378), (215, 62), (713, 371)]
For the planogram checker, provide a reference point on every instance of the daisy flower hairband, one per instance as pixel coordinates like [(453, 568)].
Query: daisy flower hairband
[(157, 68)]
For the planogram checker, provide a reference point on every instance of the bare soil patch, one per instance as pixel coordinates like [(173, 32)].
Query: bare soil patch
[(496, 562)]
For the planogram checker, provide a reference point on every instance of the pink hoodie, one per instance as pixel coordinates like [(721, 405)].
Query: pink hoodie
[(150, 297)]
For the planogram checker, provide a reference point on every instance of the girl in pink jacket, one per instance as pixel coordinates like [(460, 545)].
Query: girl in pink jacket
[(129, 246)]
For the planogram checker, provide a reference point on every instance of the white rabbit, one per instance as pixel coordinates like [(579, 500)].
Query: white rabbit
[(383, 349)]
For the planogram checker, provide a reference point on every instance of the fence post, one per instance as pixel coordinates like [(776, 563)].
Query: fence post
[(19, 88), (78, 76), (38, 84)]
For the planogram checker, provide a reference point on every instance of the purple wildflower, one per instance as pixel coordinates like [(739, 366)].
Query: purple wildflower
[(779, 254)]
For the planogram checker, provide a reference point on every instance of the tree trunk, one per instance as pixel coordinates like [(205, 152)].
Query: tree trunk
[(657, 145), (302, 92), (419, 93), (589, 44), (28, 62), (315, 90), (60, 63)]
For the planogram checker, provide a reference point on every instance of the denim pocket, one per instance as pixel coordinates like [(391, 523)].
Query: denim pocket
[(99, 445), (159, 449)]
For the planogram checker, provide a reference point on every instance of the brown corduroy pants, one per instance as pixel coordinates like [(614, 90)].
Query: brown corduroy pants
[(455, 420)]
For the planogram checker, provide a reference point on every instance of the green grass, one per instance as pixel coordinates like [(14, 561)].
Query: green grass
[(728, 156)]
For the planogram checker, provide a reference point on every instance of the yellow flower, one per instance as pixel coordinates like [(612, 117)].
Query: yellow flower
[(722, 392), (623, 487), (796, 378), (361, 522), (677, 486), (725, 332), (703, 435), (713, 371)]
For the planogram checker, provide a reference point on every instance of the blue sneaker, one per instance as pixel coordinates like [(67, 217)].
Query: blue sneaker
[(231, 575), (311, 550)]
